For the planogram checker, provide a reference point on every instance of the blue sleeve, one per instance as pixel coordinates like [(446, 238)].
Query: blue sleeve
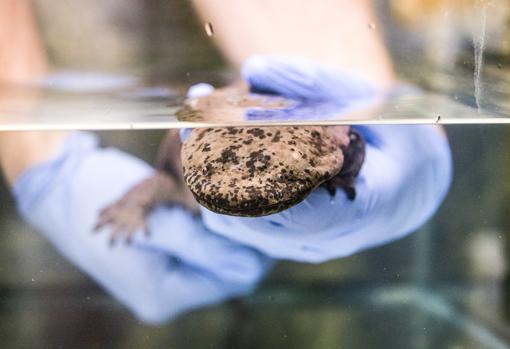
[(180, 267)]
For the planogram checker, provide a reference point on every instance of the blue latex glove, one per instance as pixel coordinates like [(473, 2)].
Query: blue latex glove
[(405, 176), (310, 89), (181, 266)]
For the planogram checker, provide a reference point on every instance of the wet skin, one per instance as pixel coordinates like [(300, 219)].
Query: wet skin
[(253, 174), (258, 171)]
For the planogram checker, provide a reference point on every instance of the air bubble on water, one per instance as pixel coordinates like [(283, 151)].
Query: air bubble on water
[(209, 30)]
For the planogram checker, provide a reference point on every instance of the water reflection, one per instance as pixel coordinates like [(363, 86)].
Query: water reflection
[(338, 294), (238, 105)]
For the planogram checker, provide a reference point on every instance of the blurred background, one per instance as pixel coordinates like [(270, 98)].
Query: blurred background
[(446, 286)]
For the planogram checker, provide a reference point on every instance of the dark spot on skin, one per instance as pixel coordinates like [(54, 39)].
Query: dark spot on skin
[(229, 155), (202, 134), (232, 130), (276, 137), (257, 132), (257, 162)]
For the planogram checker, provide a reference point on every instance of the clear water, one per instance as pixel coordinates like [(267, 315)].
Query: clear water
[(445, 286), (155, 107)]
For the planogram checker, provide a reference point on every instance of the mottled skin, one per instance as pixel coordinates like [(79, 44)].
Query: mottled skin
[(257, 171), (228, 104), (242, 171)]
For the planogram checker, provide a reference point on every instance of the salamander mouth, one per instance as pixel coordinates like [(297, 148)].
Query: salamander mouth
[(253, 211)]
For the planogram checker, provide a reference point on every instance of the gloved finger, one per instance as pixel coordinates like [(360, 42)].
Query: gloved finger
[(300, 78), (184, 133), (198, 90)]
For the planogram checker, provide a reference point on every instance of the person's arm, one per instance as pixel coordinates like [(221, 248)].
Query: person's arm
[(340, 33), (22, 60)]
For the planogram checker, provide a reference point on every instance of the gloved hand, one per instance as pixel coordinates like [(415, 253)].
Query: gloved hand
[(405, 176)]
